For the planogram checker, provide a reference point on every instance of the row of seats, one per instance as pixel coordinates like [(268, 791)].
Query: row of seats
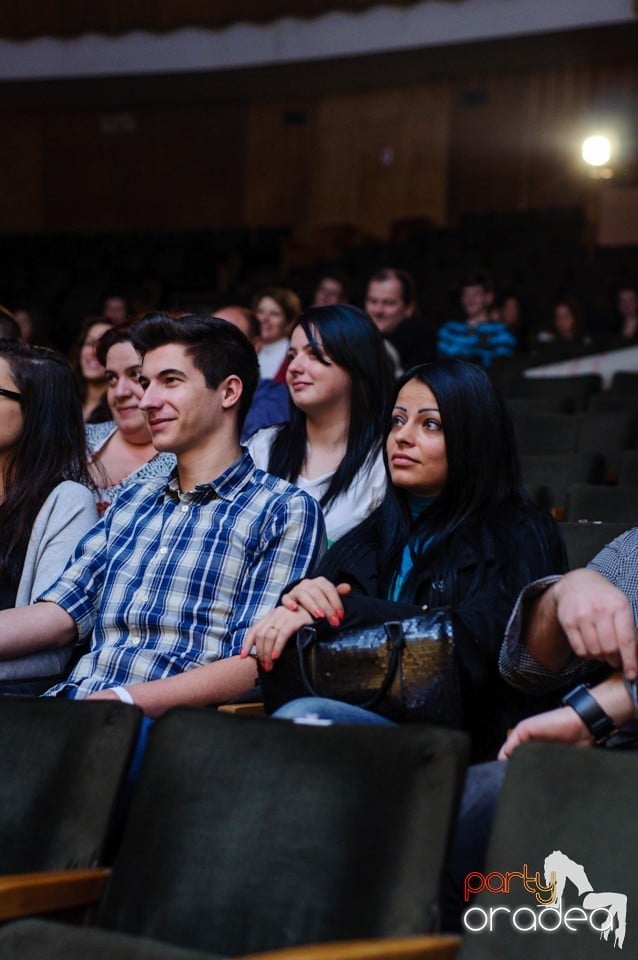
[(573, 394), (585, 538), (607, 434), (247, 835), (570, 486)]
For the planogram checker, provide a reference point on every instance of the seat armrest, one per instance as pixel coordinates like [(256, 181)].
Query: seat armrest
[(26, 894), (427, 947)]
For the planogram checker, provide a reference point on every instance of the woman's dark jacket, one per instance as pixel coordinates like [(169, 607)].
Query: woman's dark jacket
[(488, 567)]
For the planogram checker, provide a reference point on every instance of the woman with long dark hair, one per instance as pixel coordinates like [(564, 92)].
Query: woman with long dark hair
[(339, 379), (46, 504), (89, 371), (454, 531)]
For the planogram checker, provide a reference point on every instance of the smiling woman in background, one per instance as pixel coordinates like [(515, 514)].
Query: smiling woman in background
[(277, 310), (121, 449), (339, 378)]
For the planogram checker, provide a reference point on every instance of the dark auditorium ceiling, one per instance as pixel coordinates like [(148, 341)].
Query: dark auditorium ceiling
[(68, 18)]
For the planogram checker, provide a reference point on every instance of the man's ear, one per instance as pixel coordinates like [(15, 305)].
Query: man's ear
[(231, 390), (410, 308)]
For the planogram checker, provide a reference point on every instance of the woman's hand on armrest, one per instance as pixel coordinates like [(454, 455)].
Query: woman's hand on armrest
[(319, 597), (267, 638), (307, 601)]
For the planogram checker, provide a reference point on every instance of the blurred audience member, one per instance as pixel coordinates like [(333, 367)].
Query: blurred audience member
[(627, 307), (115, 307), (271, 403), (478, 337), (391, 301), (567, 324), (332, 288), (89, 371), (277, 310), (9, 329)]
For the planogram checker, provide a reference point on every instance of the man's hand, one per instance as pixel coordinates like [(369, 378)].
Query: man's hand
[(597, 619), (562, 725)]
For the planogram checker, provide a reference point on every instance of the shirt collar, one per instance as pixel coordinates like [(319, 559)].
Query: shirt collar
[(224, 487)]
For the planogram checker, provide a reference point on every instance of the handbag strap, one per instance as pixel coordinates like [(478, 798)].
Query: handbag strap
[(307, 638)]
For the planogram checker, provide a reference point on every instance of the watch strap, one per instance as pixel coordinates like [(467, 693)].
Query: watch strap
[(599, 723)]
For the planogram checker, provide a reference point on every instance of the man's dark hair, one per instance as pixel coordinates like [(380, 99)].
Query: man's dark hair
[(119, 333), (217, 348), (408, 285), (478, 278)]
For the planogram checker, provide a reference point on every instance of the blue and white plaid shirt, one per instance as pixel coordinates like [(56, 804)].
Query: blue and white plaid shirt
[(167, 581)]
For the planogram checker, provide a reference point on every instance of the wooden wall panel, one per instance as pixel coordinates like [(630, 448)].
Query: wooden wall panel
[(376, 157), (279, 162), (489, 146), (152, 168), (437, 150), (21, 173)]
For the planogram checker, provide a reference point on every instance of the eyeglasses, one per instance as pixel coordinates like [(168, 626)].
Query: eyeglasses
[(11, 394)]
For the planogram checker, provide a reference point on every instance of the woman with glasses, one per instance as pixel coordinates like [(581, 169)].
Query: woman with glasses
[(46, 504)]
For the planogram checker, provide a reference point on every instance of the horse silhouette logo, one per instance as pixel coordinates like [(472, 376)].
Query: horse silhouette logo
[(559, 868)]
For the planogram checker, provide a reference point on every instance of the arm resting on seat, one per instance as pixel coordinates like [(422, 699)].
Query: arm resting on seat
[(24, 894)]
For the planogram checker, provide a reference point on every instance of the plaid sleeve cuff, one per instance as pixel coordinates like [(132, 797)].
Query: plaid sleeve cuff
[(516, 665), (75, 602)]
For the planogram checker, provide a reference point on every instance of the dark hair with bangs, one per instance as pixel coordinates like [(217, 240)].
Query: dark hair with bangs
[(483, 480), (119, 333), (350, 339), (217, 348), (50, 449)]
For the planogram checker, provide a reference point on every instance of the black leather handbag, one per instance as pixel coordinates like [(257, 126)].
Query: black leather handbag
[(403, 669)]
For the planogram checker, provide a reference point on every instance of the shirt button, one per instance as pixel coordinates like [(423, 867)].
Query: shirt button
[(134, 641), (163, 550), (184, 508), (142, 596)]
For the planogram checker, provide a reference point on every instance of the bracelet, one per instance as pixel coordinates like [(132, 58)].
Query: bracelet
[(599, 723), (122, 694)]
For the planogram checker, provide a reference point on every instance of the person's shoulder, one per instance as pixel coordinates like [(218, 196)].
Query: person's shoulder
[(520, 520), (453, 326), (98, 433), (624, 547), (70, 492), (136, 489), (260, 443), (279, 494), (275, 487), (523, 512)]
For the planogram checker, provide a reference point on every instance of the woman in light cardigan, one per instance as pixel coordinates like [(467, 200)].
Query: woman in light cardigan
[(46, 501)]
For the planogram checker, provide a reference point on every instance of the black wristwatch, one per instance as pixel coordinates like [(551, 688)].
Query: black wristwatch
[(599, 724)]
